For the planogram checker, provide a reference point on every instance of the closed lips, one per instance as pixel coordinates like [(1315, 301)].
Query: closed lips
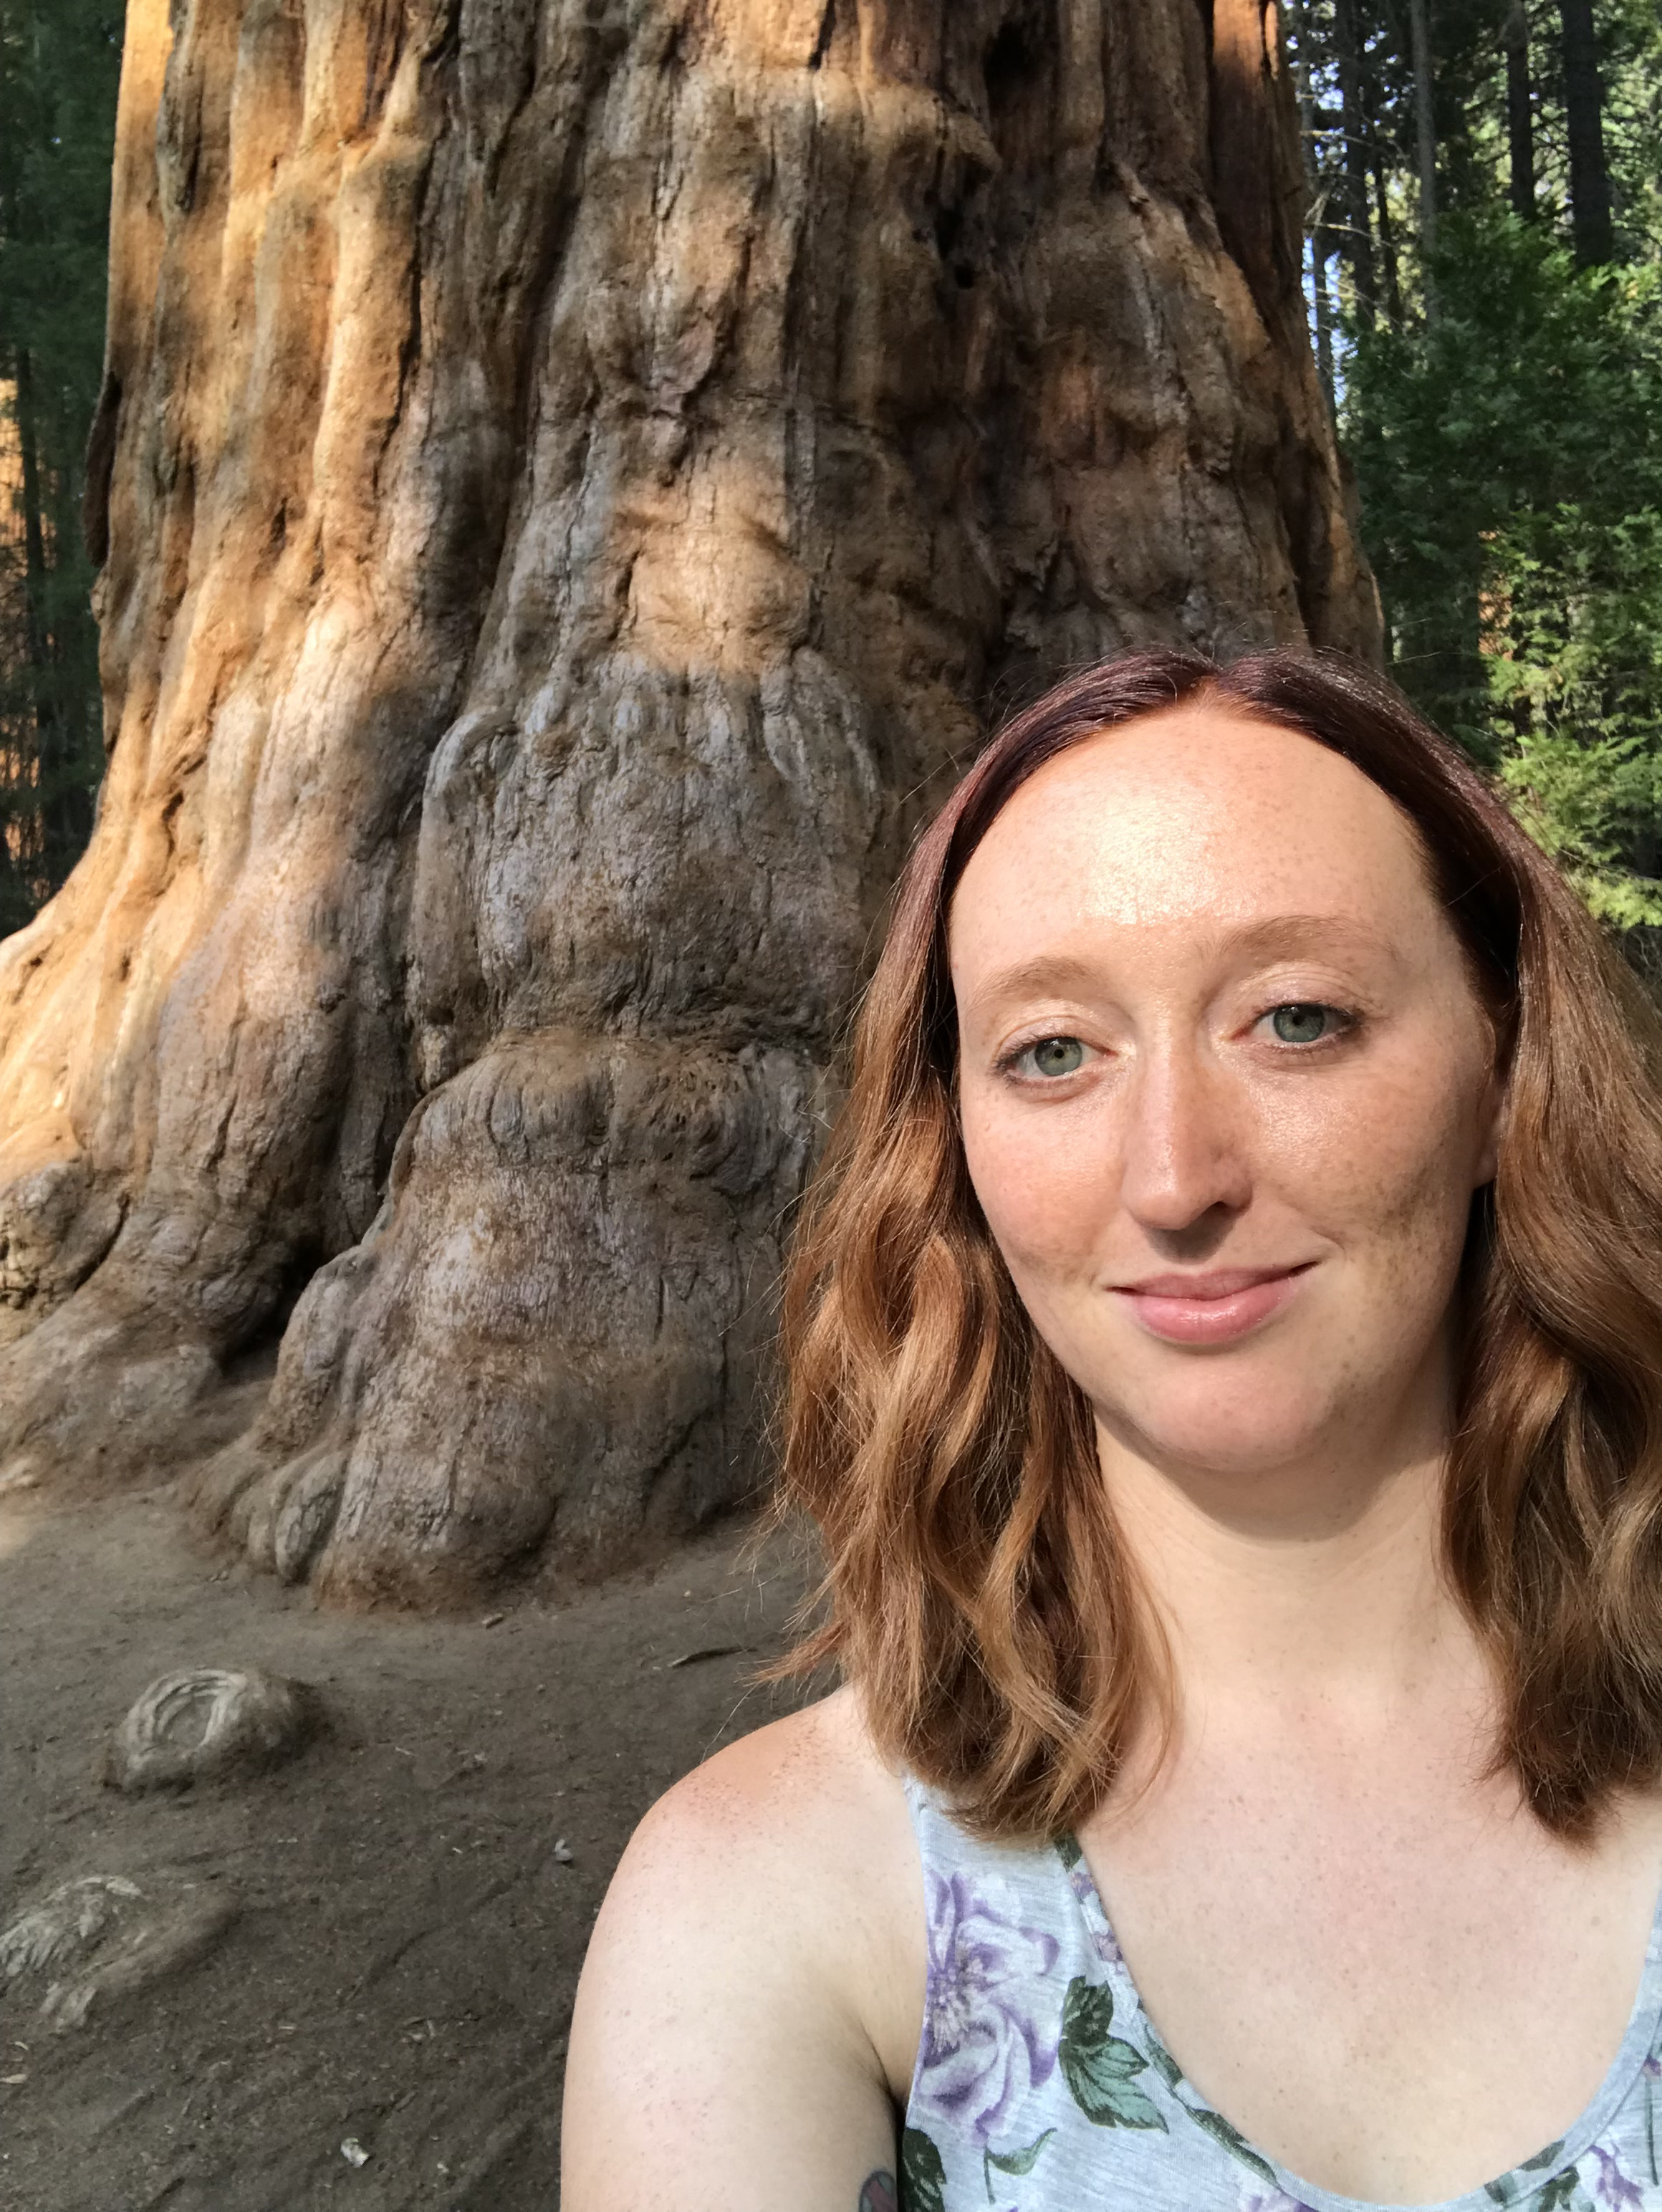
[(1224, 1283)]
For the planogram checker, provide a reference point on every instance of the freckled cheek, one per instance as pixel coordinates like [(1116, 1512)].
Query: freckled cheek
[(1383, 1171), (1046, 1185)]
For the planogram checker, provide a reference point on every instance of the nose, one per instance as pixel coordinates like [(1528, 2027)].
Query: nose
[(1184, 1162)]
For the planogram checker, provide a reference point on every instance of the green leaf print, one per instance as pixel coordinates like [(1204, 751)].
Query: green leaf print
[(1097, 2065), (1563, 2193), (1012, 2162), (1068, 1852), (1233, 2141), (922, 2176), (1558, 2194)]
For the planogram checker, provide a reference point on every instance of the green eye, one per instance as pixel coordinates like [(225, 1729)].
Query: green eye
[(1058, 1055), (1300, 1024)]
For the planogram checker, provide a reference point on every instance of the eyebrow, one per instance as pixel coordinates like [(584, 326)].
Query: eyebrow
[(1276, 936)]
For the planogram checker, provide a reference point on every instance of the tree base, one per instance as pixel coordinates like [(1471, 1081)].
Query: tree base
[(552, 1336)]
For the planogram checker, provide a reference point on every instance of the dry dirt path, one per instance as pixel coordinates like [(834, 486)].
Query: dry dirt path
[(400, 1969)]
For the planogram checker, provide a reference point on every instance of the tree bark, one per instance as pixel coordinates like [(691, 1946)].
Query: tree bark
[(1393, 290), (1520, 114), (1357, 237), (1584, 114), (576, 475), (1313, 204), (1425, 134)]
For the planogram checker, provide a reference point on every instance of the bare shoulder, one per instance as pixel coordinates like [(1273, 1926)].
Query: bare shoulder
[(787, 1787), (757, 1968), (799, 1831)]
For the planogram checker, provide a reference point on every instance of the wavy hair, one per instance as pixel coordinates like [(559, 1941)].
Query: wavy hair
[(975, 1588)]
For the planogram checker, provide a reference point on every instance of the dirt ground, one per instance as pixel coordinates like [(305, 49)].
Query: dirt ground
[(400, 1972)]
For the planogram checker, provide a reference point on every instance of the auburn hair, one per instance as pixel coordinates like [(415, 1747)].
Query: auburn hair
[(975, 1588)]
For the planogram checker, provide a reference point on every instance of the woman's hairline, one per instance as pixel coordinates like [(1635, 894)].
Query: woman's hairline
[(1494, 995)]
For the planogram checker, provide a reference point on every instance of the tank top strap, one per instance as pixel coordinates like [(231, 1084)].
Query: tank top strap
[(1010, 1945), (1041, 1886)]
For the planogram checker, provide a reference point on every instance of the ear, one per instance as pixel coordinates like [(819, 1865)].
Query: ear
[(1491, 1119)]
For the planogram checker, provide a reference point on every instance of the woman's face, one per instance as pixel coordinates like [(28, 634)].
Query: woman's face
[(1226, 1089)]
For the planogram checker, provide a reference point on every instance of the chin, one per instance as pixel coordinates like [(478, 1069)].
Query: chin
[(1235, 1452), (1252, 1424)]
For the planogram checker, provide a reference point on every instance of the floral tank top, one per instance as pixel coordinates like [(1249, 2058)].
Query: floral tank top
[(1041, 2085)]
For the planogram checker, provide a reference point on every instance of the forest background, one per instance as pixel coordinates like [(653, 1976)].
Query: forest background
[(1484, 278)]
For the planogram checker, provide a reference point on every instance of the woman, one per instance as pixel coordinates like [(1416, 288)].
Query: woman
[(1225, 1354)]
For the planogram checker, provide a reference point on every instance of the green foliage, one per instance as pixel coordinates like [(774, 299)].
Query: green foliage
[(1509, 458), (1502, 407), (60, 63), (1580, 686)]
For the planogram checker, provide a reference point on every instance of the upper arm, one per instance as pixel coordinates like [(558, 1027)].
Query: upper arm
[(721, 2058)]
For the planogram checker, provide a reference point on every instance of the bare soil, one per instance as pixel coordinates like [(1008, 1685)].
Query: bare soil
[(399, 1972)]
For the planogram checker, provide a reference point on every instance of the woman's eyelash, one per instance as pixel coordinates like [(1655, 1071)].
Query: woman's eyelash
[(1349, 1019)]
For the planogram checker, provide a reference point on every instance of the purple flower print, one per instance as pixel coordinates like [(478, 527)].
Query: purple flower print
[(1613, 2187), (985, 2047), (1271, 2200)]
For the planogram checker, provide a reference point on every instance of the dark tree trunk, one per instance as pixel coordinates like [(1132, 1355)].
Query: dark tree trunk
[(1313, 205), (575, 475), (1584, 110), (38, 831), (1321, 254), (57, 833), (1357, 234), (34, 543), (1521, 115), (1425, 129), (1393, 282)]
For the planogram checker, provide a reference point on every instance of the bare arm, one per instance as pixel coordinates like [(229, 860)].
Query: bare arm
[(725, 2047)]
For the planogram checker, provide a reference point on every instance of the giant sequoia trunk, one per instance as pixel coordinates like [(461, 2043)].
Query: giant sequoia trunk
[(573, 476)]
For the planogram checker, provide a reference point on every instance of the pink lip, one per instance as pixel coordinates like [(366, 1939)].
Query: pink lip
[(1211, 1309)]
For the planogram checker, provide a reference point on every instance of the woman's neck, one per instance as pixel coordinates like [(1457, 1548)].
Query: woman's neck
[(1309, 1596)]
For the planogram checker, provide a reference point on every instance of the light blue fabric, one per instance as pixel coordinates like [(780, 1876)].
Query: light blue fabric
[(1041, 2085)]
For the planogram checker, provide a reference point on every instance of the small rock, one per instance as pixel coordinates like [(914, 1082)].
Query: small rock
[(493, 1619), (71, 1921), (102, 1937), (180, 1933), (562, 1850), (207, 1721), (354, 2153)]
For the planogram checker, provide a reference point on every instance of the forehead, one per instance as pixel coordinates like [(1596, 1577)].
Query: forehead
[(1199, 815)]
